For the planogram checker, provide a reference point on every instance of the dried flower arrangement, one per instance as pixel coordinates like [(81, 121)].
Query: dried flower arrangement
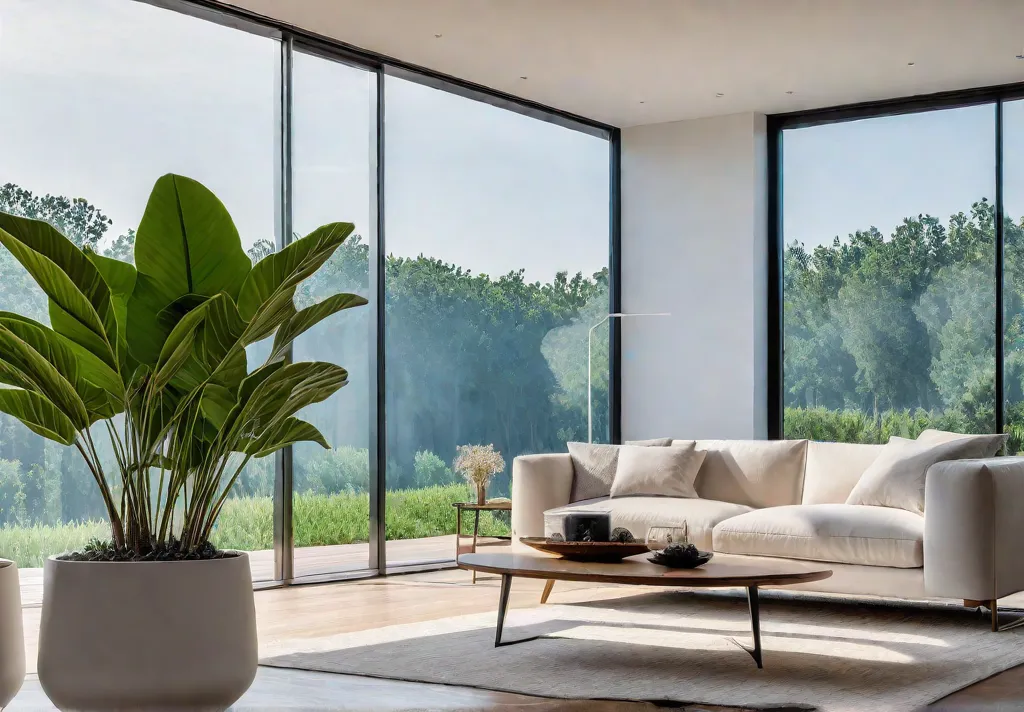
[(478, 464)]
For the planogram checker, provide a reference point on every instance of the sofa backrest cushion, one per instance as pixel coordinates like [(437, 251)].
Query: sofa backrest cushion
[(833, 469), (757, 473)]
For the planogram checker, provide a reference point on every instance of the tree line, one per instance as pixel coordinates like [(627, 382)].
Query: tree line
[(903, 324)]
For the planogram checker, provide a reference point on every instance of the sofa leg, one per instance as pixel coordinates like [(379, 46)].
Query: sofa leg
[(971, 603), (993, 607)]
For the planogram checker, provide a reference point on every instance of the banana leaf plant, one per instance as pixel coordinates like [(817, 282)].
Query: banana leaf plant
[(156, 354)]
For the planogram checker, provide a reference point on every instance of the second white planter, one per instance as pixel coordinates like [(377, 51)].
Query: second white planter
[(12, 636), (177, 635)]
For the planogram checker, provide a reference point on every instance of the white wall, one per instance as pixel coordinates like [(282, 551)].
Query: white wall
[(694, 243)]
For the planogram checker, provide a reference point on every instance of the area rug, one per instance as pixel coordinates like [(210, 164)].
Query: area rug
[(678, 646)]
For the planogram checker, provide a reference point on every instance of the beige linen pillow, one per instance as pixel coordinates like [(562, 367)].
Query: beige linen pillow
[(657, 471), (654, 442), (993, 443), (593, 470), (593, 466), (896, 478)]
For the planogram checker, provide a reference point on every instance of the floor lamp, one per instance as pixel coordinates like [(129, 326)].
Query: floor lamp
[(590, 342)]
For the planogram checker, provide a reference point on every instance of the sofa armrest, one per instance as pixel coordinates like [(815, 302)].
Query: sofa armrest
[(539, 483), (973, 529)]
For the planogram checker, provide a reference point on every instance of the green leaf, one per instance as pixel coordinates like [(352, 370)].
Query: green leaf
[(309, 317), (120, 278), (187, 244), (266, 295), (38, 414), (286, 391), (288, 432), (80, 306), (97, 384), (177, 349), (24, 367)]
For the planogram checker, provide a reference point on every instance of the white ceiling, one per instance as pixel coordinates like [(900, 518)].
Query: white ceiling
[(629, 62)]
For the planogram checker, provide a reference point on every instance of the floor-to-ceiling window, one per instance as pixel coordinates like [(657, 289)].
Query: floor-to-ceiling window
[(333, 134), (494, 249), (497, 239), (97, 100), (889, 260)]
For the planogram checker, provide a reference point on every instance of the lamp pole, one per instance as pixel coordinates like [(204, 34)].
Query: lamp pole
[(590, 352)]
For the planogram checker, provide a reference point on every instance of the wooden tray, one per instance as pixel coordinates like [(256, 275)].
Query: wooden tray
[(597, 551)]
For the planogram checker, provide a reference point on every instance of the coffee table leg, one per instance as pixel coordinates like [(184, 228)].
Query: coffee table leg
[(506, 587), (755, 624)]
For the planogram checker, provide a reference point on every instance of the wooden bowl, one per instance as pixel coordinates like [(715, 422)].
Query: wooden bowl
[(594, 551)]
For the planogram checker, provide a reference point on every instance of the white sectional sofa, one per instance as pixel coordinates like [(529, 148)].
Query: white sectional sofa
[(786, 499)]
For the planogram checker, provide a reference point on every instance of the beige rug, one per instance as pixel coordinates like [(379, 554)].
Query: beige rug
[(675, 646)]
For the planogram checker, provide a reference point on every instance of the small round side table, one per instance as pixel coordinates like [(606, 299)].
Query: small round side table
[(470, 547)]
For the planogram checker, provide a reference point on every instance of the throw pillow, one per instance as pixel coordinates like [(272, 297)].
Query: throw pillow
[(658, 471), (593, 470), (593, 467), (654, 442), (992, 443), (896, 478)]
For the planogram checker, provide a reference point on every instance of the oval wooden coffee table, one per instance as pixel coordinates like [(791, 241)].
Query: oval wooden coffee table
[(720, 572)]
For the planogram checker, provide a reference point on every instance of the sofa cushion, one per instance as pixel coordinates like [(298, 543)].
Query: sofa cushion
[(833, 470), (992, 444), (638, 514), (841, 533), (594, 467), (657, 471), (897, 477), (757, 473)]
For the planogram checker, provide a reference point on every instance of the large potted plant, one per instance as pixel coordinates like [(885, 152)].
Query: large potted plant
[(12, 638), (152, 357)]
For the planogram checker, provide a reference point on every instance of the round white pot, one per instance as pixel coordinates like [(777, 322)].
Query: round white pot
[(12, 636), (176, 635)]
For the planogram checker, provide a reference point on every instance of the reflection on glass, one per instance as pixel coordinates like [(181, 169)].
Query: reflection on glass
[(1013, 280), (888, 293), (332, 143), (165, 93), (497, 240)]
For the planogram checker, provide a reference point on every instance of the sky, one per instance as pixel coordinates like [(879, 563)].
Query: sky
[(843, 177), (99, 98)]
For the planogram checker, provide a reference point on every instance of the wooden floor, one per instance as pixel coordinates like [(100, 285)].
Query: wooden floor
[(288, 617)]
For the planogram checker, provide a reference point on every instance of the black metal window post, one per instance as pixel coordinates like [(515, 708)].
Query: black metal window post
[(284, 549)]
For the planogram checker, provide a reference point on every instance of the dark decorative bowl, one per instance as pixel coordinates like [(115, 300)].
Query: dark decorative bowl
[(681, 562), (606, 552)]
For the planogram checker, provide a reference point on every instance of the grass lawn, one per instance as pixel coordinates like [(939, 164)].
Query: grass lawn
[(247, 523)]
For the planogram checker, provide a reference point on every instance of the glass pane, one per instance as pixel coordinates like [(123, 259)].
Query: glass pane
[(889, 292), (1013, 275), (99, 100), (333, 141), (497, 240)]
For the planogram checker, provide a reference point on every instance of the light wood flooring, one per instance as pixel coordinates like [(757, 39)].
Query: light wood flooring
[(287, 616)]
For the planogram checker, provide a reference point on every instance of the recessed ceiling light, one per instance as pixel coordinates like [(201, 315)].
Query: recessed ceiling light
[(641, 102), (719, 95), (522, 77), (789, 92), (910, 64), (437, 36), (1020, 56)]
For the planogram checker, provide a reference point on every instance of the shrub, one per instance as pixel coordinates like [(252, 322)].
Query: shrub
[(340, 469), (430, 470)]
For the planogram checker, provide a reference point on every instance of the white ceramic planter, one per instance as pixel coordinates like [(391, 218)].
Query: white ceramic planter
[(12, 636), (163, 636)]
